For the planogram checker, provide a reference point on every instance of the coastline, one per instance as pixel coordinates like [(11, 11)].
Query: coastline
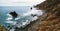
[(51, 22), (33, 26)]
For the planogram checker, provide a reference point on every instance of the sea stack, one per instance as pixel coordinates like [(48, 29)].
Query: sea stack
[(13, 14)]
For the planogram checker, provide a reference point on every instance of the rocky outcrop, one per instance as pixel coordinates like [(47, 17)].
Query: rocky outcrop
[(13, 14), (50, 20), (2, 28)]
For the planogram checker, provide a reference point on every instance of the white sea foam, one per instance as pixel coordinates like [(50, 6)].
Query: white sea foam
[(17, 18), (33, 11), (12, 29), (9, 17), (23, 24), (35, 18), (11, 22)]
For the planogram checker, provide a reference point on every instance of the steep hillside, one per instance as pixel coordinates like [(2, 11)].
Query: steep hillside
[(52, 21)]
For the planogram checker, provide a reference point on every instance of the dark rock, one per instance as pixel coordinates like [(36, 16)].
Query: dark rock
[(13, 14), (33, 15), (31, 8)]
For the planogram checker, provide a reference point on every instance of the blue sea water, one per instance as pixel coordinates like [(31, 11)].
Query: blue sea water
[(25, 16), (4, 10)]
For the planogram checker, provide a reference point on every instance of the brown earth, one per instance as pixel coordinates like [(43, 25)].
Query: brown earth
[(2, 28), (52, 21)]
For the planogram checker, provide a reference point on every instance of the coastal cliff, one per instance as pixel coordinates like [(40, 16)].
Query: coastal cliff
[(52, 21), (49, 21)]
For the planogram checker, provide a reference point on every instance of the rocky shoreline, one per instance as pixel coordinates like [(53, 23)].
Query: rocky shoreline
[(50, 22), (33, 26)]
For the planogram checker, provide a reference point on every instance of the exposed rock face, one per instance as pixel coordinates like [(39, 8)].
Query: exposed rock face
[(52, 21)]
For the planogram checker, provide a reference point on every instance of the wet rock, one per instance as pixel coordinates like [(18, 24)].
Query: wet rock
[(13, 14)]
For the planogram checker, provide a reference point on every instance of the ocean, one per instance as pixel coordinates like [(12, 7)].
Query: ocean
[(23, 19), (4, 10)]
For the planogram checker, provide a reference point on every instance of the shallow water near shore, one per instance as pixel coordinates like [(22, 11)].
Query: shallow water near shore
[(23, 19), (4, 10)]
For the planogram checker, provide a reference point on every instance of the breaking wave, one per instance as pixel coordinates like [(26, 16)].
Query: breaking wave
[(23, 20)]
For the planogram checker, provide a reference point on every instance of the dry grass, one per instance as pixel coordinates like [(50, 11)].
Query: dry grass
[(52, 21)]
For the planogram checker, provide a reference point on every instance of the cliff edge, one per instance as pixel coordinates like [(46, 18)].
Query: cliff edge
[(52, 21)]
